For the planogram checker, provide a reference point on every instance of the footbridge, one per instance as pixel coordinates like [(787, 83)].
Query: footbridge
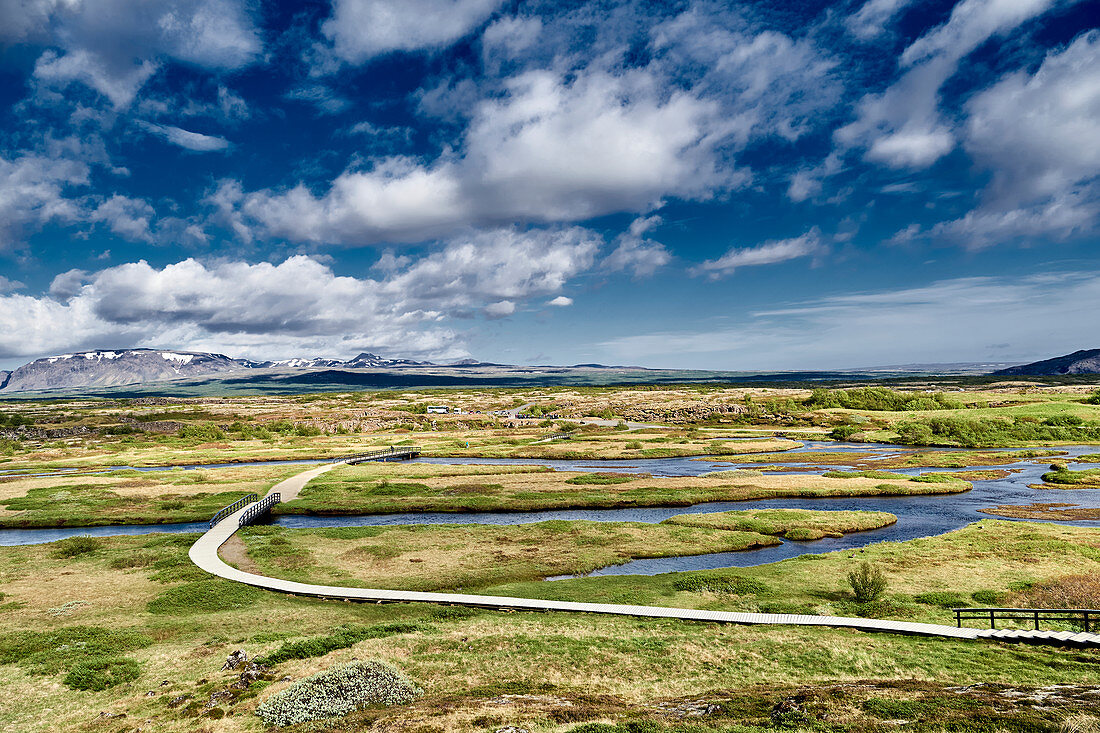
[(393, 453), (204, 553)]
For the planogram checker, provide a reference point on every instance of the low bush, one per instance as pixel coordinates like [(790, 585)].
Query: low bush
[(988, 597), (76, 546), (943, 599), (100, 673), (337, 692), (204, 596), (720, 583), (867, 583), (205, 432), (600, 479), (341, 638)]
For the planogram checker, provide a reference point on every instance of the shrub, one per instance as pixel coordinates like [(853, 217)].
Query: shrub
[(943, 599), (76, 546), (868, 583), (843, 432), (339, 691), (204, 596), (988, 596), (341, 638), (205, 432), (600, 479), (102, 672), (720, 583)]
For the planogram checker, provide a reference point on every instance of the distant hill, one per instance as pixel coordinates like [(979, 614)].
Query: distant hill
[(1086, 361), (102, 368)]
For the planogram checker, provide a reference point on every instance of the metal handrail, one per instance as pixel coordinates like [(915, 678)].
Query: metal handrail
[(227, 510), (259, 509), (391, 452), (1035, 615)]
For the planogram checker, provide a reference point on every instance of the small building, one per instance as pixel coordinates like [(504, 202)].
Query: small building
[(437, 409)]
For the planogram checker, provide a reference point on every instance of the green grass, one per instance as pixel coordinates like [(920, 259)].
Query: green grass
[(204, 596), (340, 638)]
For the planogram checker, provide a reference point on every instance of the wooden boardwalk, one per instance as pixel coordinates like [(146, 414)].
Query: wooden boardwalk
[(204, 553)]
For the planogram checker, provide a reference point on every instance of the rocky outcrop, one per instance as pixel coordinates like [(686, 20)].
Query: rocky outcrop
[(676, 415), (1086, 361)]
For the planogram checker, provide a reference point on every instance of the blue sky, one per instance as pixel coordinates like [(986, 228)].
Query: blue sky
[(698, 185)]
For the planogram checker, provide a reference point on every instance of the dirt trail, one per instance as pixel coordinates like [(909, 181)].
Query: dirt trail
[(235, 553)]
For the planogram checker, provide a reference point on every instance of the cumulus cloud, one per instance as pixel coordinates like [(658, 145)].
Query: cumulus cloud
[(300, 304), (637, 253), (561, 301), (195, 141), (115, 46), (1039, 132), (32, 193), (1038, 316), (550, 149), (1038, 135), (362, 29), (902, 127), (768, 253), (126, 217)]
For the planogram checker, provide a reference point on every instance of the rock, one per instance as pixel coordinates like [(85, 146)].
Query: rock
[(511, 729), (235, 659)]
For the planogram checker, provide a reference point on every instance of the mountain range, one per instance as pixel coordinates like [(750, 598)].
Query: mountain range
[(104, 368), (95, 370), (112, 368), (1086, 361)]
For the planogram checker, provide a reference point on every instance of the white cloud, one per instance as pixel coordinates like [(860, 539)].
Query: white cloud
[(871, 19), (902, 127), (1038, 316), (636, 252), (126, 217), (195, 141), (1040, 133), (32, 193), (7, 285), (299, 305), (362, 29), (768, 253), (551, 149), (500, 309), (115, 46), (561, 301)]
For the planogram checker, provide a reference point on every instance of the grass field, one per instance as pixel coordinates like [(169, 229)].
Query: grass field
[(124, 633), (178, 627)]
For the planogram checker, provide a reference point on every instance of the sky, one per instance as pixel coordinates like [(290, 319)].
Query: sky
[(741, 186)]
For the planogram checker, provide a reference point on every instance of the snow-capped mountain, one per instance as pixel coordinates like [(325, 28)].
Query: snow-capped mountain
[(102, 368)]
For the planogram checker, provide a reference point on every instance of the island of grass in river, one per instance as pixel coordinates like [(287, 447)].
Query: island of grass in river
[(463, 556)]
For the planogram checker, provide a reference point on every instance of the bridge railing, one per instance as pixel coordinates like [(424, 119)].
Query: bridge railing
[(381, 454), (260, 508), (227, 510), (1083, 616)]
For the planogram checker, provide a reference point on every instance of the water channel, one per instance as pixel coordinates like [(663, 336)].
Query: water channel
[(918, 516)]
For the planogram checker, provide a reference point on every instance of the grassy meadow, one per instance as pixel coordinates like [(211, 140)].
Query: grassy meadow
[(123, 633)]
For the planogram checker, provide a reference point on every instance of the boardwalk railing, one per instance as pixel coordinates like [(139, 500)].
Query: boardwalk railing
[(1081, 616), (226, 511), (393, 453), (260, 508)]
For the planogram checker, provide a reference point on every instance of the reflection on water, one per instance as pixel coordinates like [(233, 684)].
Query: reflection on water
[(918, 516)]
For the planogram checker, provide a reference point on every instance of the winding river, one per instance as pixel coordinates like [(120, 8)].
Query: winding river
[(918, 516)]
